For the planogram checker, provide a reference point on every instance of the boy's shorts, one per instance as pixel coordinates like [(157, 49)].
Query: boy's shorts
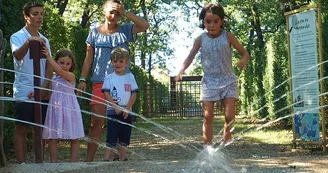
[(118, 133), (24, 111), (97, 97)]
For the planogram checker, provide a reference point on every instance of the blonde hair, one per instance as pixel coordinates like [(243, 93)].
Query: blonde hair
[(119, 53)]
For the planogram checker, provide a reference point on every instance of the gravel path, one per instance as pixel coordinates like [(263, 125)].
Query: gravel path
[(185, 153)]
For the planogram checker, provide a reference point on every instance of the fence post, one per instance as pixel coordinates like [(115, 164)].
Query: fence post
[(35, 54), (2, 55), (146, 104), (173, 93)]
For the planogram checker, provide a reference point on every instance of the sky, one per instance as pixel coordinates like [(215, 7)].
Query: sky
[(183, 43)]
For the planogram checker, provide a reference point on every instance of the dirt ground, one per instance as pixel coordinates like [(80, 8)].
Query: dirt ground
[(182, 151)]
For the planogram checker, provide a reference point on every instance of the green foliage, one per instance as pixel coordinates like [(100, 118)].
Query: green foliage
[(324, 18), (268, 83), (8, 134), (281, 75), (142, 79), (277, 94), (197, 70), (54, 28), (152, 95), (161, 97)]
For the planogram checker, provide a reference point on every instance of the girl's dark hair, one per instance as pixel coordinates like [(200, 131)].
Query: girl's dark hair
[(63, 53), (27, 7), (211, 8)]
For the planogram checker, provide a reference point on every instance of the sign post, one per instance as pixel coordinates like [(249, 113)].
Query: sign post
[(305, 52)]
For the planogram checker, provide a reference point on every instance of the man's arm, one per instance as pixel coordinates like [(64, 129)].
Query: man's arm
[(20, 53)]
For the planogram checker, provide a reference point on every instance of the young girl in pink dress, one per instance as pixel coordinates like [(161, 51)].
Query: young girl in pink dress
[(63, 119)]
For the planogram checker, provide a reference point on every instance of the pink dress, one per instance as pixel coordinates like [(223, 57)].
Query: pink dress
[(64, 119)]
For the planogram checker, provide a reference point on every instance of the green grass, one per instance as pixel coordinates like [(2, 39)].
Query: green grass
[(269, 135)]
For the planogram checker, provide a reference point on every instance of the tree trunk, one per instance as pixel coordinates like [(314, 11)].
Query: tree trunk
[(132, 55), (85, 17), (260, 58), (61, 5), (143, 53), (149, 65), (257, 26), (143, 60)]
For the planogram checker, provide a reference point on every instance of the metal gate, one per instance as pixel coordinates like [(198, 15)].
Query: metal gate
[(177, 99)]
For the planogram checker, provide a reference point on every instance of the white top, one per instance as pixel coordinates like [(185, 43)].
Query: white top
[(24, 83), (216, 59), (120, 87)]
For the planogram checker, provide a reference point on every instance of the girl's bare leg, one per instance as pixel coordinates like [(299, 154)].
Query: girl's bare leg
[(229, 112), (208, 122), (95, 129), (52, 147), (74, 150)]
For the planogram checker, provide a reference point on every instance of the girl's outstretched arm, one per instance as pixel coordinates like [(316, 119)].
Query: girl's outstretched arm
[(69, 76), (196, 46), (241, 50)]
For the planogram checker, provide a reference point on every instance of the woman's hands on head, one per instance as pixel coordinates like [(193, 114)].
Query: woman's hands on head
[(114, 6)]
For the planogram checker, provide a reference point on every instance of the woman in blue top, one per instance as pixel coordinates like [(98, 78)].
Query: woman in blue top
[(100, 42)]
